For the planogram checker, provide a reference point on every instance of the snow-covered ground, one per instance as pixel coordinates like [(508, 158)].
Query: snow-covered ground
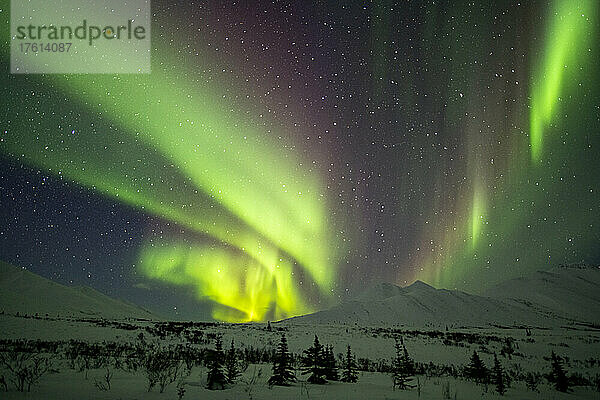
[(579, 346), (70, 385)]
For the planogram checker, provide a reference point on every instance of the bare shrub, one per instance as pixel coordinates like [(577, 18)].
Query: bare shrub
[(24, 369), (250, 383), (104, 384), (161, 367)]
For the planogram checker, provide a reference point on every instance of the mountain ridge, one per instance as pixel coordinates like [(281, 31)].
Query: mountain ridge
[(24, 292), (552, 297), (572, 290)]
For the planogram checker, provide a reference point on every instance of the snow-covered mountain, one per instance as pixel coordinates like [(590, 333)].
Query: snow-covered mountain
[(569, 291), (380, 291), (420, 304), (559, 296), (549, 298), (27, 293)]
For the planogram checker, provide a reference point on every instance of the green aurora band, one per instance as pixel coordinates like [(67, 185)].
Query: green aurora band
[(186, 157), (504, 220), (569, 26), (264, 244)]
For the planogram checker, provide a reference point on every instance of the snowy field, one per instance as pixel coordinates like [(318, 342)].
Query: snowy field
[(440, 355), (70, 385)]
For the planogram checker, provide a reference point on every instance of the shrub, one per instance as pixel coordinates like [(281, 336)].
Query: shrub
[(161, 366), (24, 369)]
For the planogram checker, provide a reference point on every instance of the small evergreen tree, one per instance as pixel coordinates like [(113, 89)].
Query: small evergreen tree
[(409, 364), (476, 370), (402, 367), (329, 365), (231, 365), (283, 373), (216, 377), (498, 377), (312, 363), (557, 374), (532, 380), (349, 373)]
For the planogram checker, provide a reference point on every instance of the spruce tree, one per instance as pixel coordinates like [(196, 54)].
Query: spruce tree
[(402, 367), (476, 370), (498, 377), (349, 373), (557, 374), (330, 367), (283, 373), (409, 364), (231, 365), (216, 378), (532, 380), (312, 363)]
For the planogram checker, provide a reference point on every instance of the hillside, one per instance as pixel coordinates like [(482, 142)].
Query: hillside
[(571, 291), (380, 291), (422, 305), (27, 293), (546, 298)]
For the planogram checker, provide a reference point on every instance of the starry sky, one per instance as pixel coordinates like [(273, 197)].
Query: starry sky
[(282, 156)]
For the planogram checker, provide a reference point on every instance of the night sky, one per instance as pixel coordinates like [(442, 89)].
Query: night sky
[(283, 156)]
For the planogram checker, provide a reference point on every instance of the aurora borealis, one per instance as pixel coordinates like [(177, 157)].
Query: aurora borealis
[(280, 158), (568, 37)]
